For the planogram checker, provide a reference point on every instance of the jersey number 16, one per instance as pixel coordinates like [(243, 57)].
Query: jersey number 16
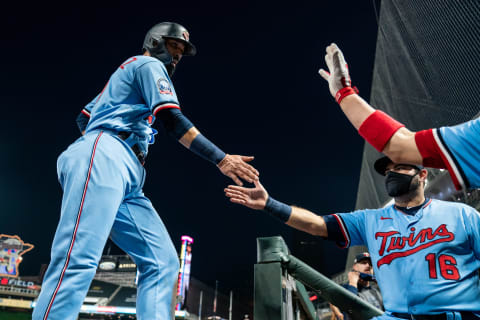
[(447, 265)]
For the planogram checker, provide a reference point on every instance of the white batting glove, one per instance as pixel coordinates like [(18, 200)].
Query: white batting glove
[(339, 81)]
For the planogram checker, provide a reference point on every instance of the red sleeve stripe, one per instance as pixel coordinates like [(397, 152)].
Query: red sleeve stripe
[(455, 172), (343, 229), (429, 150), (165, 106), (85, 112)]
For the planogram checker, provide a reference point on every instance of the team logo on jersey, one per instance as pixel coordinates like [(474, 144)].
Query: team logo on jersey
[(164, 86), (416, 241), (11, 250)]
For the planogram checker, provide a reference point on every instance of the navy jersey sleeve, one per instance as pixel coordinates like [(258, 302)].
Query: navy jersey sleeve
[(347, 229), (156, 86)]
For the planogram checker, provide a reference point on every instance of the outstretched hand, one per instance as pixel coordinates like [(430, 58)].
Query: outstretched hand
[(338, 76), (236, 167), (254, 198)]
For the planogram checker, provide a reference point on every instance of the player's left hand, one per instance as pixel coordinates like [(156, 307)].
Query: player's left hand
[(338, 78), (236, 167)]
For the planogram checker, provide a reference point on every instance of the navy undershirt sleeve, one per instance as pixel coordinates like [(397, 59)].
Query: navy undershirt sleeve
[(176, 125), (82, 121), (174, 121)]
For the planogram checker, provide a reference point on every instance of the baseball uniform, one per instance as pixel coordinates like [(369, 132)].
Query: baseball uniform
[(456, 148), (426, 262), (102, 179)]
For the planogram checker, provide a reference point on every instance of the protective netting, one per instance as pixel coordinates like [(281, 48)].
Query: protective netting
[(426, 74)]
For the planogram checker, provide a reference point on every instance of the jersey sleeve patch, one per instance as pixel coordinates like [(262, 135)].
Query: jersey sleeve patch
[(155, 86), (164, 86)]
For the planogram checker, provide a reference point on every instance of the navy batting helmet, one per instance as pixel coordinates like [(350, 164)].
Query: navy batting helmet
[(155, 40)]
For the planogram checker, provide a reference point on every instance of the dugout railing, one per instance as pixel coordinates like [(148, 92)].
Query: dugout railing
[(280, 292)]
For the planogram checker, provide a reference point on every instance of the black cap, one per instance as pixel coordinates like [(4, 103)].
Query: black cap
[(362, 256), (381, 165)]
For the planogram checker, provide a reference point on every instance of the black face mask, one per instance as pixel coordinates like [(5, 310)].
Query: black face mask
[(399, 184), (170, 69)]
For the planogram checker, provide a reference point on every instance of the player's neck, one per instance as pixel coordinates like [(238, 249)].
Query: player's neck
[(410, 200)]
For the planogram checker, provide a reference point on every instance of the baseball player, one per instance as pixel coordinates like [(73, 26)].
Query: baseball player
[(102, 176), (454, 148), (425, 252)]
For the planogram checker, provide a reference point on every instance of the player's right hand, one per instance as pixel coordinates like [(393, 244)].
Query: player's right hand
[(254, 198), (338, 77), (236, 167), (353, 277)]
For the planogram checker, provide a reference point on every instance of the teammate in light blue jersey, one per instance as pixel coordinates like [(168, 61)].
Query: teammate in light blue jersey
[(425, 253), (454, 148), (102, 177)]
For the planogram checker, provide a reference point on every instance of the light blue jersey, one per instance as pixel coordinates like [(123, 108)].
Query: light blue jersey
[(102, 178), (425, 263), (460, 146), (138, 89)]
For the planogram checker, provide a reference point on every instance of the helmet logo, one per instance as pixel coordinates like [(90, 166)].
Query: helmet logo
[(186, 36)]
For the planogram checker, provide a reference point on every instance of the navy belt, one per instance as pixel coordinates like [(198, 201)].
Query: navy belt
[(466, 315)]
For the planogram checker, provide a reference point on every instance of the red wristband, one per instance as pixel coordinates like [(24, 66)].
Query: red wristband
[(378, 128), (342, 93)]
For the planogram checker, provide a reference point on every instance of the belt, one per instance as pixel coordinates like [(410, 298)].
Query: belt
[(466, 315), (124, 135)]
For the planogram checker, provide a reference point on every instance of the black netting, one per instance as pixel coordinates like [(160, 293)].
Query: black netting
[(426, 72)]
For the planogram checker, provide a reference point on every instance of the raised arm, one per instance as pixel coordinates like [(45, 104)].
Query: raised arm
[(257, 198), (383, 132), (179, 127)]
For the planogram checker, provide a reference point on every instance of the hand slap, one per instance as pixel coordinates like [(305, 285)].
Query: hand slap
[(254, 198), (236, 167)]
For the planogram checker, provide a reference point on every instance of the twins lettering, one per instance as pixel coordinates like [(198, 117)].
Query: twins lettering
[(425, 238)]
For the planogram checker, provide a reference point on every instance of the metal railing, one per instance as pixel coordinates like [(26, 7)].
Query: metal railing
[(279, 287)]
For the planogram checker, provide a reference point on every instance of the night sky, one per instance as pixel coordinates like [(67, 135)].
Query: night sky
[(252, 89)]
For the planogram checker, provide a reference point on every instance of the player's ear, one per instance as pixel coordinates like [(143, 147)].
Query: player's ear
[(423, 174)]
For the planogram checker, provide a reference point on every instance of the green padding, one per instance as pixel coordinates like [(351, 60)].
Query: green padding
[(268, 295), (271, 249), (330, 291), (305, 301), (5, 315)]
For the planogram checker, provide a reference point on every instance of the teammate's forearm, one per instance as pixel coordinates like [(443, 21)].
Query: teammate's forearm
[(297, 218), (187, 139), (179, 127), (382, 131), (307, 221), (356, 109)]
